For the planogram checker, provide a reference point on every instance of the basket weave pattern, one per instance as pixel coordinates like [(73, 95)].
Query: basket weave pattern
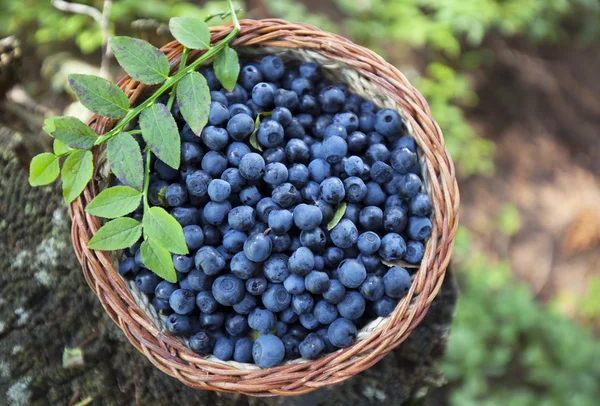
[(370, 76)]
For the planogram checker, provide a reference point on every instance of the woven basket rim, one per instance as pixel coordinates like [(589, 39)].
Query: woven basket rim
[(174, 358)]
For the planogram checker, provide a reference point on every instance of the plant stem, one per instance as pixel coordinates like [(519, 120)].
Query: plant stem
[(134, 132), (222, 14), (170, 82)]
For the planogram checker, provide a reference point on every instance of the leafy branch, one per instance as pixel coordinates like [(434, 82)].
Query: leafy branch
[(74, 140)]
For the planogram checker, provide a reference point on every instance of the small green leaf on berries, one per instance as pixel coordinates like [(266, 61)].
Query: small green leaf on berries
[(161, 226), (158, 259), (160, 132), (193, 99), (227, 67), (340, 210)]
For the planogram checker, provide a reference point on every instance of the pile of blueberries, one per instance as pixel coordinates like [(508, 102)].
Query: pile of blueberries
[(266, 279)]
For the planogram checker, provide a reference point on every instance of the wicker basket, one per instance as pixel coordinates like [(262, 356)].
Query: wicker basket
[(371, 77)]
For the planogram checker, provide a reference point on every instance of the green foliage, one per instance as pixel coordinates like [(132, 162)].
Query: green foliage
[(509, 220), (253, 137), (191, 32), (505, 348), (340, 210), (162, 233)]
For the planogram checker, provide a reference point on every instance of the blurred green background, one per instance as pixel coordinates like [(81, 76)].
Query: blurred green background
[(513, 84)]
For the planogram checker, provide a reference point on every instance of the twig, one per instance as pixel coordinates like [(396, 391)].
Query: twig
[(101, 18)]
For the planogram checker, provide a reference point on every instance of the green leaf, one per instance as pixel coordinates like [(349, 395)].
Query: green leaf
[(115, 202), (141, 61), (76, 173), (159, 260), (73, 132), (193, 99), (43, 169), (125, 160), (253, 140), (60, 148), (161, 134), (191, 32), (99, 95), (117, 234), (161, 226), (49, 126), (340, 210), (227, 67), (400, 263)]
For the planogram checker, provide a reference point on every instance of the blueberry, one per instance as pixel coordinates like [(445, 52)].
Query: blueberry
[(357, 142), (252, 166), (250, 76), (218, 97), (263, 94), (164, 171), (377, 152), (420, 205), (238, 95), (294, 130), (296, 150), (290, 343), (264, 208), (212, 321), (348, 120), (352, 306), (242, 351), (297, 330), (307, 217), (281, 243), (161, 306), (393, 247), (351, 273), (219, 114), (241, 218), (272, 68), (316, 150), (197, 183), (403, 159), (216, 212), (240, 126), (280, 221), (147, 281), (282, 115), (369, 243), (239, 108), (372, 288), (288, 316), (219, 190), (409, 185), (419, 228), (312, 346), (342, 333), (414, 252), (309, 71), (333, 256), (182, 263), (334, 149), (212, 236), (355, 188), (182, 301), (332, 190), (242, 267), (319, 170), (156, 192), (344, 234), (286, 195), (270, 133), (320, 124), (314, 239), (233, 241), (256, 286), (394, 219), (128, 267), (250, 196), (337, 130), (234, 178), (309, 321), (303, 303), (294, 284), (301, 86), (298, 175), (276, 298), (286, 98), (257, 247), (209, 260), (194, 237), (211, 78), (335, 293), (325, 312), (164, 290), (326, 210), (236, 324), (214, 163), (366, 121), (397, 282), (223, 349), (247, 304), (384, 306), (332, 99), (308, 105), (388, 123), (275, 268), (301, 262), (215, 138), (381, 172), (178, 324), (274, 155), (268, 351), (354, 166), (262, 320), (280, 329), (206, 302), (371, 218)]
